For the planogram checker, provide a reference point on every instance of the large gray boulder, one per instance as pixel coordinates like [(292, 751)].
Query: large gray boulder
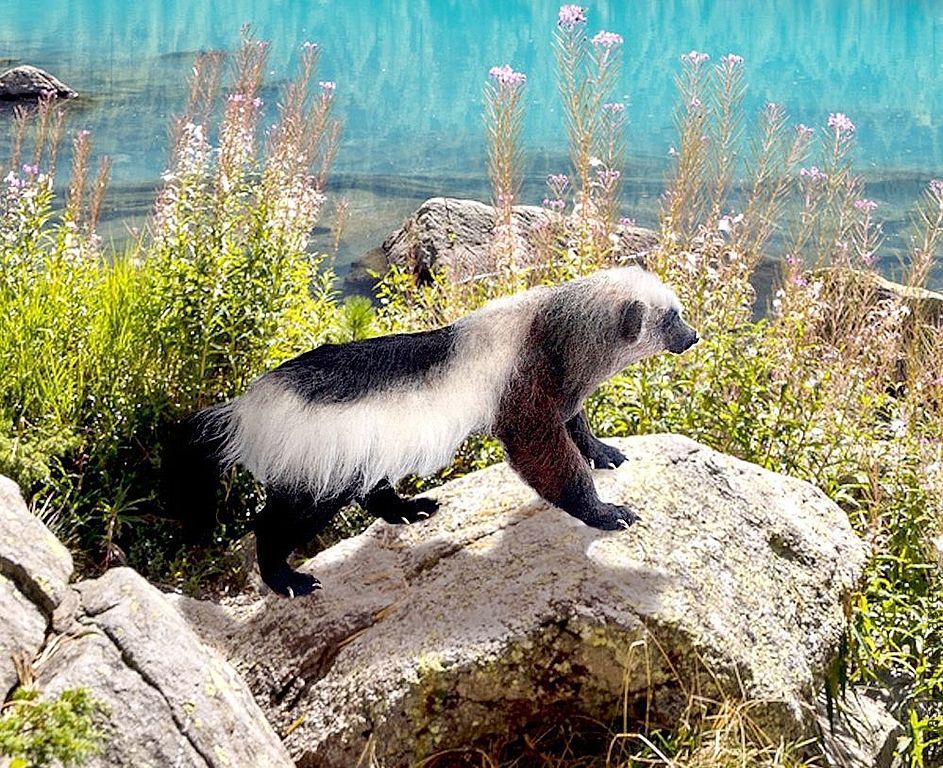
[(459, 234), (502, 614), (28, 83)]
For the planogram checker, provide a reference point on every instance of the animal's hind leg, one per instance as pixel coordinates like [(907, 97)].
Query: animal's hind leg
[(384, 502), (288, 521)]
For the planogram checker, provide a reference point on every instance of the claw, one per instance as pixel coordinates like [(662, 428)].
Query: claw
[(624, 524), (592, 464), (423, 515), (610, 465), (405, 521), (290, 591)]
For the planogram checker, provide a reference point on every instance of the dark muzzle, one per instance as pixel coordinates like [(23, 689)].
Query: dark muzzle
[(679, 336)]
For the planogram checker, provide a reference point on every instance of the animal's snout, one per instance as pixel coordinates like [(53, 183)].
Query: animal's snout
[(680, 338)]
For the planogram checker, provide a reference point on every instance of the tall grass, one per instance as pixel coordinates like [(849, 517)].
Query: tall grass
[(99, 356)]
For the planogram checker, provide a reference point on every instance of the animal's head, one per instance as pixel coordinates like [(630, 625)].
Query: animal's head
[(649, 315)]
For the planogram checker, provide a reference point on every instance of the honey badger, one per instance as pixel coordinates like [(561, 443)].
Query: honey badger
[(344, 422)]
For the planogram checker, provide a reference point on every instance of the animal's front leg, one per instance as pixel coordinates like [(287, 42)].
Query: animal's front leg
[(540, 449), (384, 502), (596, 452)]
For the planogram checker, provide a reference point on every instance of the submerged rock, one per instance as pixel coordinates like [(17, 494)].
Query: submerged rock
[(458, 234), (28, 83), (502, 614)]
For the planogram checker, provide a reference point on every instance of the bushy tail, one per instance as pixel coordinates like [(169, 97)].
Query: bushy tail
[(190, 474)]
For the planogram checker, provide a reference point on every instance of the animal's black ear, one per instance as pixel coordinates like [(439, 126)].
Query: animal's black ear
[(630, 321)]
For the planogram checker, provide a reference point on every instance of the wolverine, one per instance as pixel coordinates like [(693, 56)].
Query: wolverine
[(344, 422)]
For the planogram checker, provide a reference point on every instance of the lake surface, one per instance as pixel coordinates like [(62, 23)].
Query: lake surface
[(410, 75)]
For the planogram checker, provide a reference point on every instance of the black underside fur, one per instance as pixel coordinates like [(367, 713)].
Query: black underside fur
[(340, 373)]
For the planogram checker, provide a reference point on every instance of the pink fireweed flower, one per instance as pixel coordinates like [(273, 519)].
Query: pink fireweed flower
[(309, 46), (607, 175), (558, 182), (507, 76), (606, 39), (571, 16), (813, 173), (554, 205), (803, 130), (731, 59), (625, 221), (841, 123), (936, 188), (695, 57), (865, 205), (327, 86), (695, 103), (31, 170), (257, 102), (613, 107), (236, 98)]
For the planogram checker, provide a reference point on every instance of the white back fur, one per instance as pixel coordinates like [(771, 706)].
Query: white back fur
[(327, 448)]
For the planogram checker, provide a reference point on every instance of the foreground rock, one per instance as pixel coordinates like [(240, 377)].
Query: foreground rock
[(502, 614), (171, 700), (458, 234), (34, 575), (27, 83)]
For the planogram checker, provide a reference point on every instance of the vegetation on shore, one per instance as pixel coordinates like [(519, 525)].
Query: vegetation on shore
[(840, 383)]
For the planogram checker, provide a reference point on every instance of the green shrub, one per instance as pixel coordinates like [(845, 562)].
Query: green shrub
[(101, 354), (62, 731)]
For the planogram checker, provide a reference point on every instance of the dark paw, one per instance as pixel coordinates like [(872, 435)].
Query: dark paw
[(602, 456), (291, 583), (611, 517), (409, 511)]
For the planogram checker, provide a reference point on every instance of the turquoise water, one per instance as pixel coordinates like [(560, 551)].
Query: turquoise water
[(410, 74)]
